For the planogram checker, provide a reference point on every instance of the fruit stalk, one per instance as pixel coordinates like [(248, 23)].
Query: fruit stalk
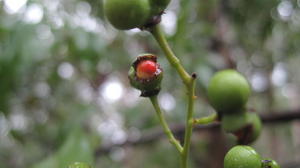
[(188, 80), (164, 124), (174, 61), (189, 123), (206, 120)]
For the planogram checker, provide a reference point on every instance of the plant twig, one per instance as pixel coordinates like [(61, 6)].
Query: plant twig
[(164, 124), (174, 61), (206, 120), (189, 123), (188, 80)]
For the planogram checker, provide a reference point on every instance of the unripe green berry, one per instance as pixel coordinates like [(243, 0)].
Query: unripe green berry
[(228, 91), (127, 14), (245, 126), (79, 165), (146, 75), (233, 122), (251, 131), (242, 156), (269, 163)]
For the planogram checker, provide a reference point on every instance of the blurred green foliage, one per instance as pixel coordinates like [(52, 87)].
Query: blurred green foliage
[(75, 148)]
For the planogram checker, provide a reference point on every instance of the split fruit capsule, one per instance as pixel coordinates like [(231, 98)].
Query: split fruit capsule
[(146, 75)]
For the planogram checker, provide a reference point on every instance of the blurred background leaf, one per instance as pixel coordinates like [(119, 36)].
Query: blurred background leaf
[(76, 148)]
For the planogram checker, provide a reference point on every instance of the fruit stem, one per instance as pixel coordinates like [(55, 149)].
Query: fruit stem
[(174, 61), (164, 124), (189, 81), (189, 123), (206, 120)]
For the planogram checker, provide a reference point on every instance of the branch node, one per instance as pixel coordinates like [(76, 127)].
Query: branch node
[(194, 75)]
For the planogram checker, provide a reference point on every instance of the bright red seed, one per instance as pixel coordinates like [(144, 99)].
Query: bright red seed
[(146, 69)]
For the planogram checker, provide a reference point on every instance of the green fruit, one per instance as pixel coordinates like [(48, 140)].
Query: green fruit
[(158, 6), (255, 123), (269, 163), (79, 165), (250, 131), (127, 14), (234, 122), (228, 91), (242, 157), (245, 126)]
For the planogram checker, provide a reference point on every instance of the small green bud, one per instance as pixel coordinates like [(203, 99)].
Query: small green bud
[(269, 163), (146, 75), (79, 165), (242, 156)]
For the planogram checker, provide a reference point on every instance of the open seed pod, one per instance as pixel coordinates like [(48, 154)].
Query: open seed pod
[(146, 75)]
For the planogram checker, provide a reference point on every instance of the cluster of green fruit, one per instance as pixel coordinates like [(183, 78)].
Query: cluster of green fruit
[(228, 92), (129, 14), (246, 157)]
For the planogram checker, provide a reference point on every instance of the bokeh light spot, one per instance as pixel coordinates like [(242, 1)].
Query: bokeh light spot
[(112, 90), (65, 70), (13, 6), (34, 14)]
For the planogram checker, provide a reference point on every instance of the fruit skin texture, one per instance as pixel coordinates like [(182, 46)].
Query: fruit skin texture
[(228, 91), (242, 156), (127, 14)]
